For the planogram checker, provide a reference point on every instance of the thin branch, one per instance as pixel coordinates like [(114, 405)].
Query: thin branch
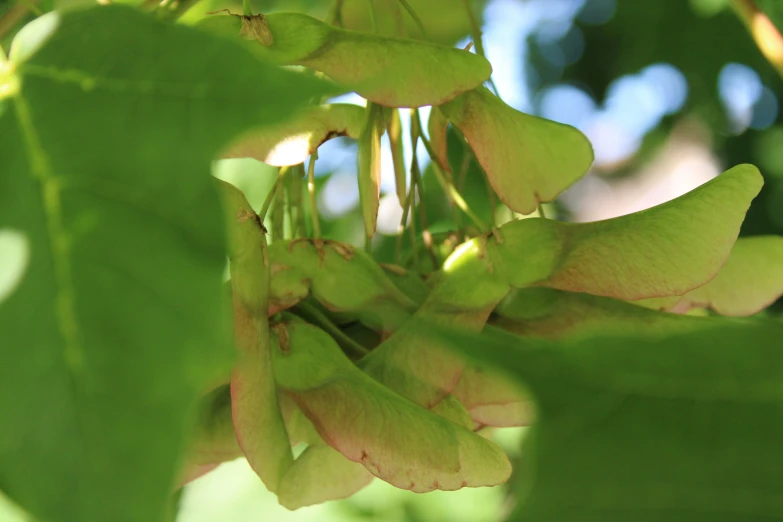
[(313, 315)]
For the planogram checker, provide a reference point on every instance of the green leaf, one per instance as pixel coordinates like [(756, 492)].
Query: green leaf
[(682, 427), (393, 72), (291, 142), (396, 440), (751, 280), (665, 250), (109, 121), (528, 160)]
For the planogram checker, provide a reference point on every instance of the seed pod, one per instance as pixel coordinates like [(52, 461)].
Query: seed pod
[(342, 278), (396, 440), (394, 128), (257, 420), (369, 170)]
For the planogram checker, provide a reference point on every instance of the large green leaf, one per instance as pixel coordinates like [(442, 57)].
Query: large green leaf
[(528, 160), (109, 121), (682, 427), (751, 280), (395, 439), (394, 72)]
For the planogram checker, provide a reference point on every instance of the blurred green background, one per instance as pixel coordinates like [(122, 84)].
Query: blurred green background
[(670, 92)]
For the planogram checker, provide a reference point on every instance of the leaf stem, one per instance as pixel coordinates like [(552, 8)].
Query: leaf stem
[(373, 16), (764, 33), (271, 195), (246, 8), (311, 194), (415, 17), (448, 186), (337, 13), (313, 315), (475, 33)]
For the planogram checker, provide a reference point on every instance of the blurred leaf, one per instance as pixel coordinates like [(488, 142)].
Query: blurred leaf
[(290, 143), (117, 325), (774, 10), (528, 160), (751, 280), (214, 441), (649, 428), (396, 440)]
